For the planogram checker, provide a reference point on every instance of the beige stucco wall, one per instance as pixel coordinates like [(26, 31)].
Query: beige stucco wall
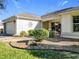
[(25, 25), (67, 26), (66, 23)]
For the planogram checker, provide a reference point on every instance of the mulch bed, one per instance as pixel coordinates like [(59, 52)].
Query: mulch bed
[(23, 45)]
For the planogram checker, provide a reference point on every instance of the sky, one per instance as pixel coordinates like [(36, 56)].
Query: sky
[(37, 7)]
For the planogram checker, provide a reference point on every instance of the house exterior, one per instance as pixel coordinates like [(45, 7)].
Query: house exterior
[(63, 22), (1, 27), (67, 21), (22, 22)]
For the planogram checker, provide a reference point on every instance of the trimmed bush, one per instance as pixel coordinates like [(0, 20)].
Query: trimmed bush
[(23, 34), (31, 32), (1, 31), (41, 34), (51, 34)]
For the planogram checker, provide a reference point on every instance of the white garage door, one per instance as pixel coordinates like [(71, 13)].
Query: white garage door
[(10, 28)]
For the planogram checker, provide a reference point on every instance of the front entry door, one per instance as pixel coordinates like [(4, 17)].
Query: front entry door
[(56, 27)]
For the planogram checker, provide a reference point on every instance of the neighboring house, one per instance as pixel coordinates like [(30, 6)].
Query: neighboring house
[(63, 22), (22, 22), (1, 27)]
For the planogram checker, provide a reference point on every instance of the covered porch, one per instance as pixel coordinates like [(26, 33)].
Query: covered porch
[(64, 24), (53, 24)]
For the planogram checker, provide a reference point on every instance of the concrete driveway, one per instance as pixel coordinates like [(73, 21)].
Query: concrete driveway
[(11, 39)]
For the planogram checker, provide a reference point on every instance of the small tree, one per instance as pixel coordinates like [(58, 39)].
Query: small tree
[(41, 34)]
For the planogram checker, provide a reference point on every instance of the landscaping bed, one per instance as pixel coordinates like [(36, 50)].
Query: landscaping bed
[(45, 46)]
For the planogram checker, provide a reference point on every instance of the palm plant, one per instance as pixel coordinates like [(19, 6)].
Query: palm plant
[(1, 4)]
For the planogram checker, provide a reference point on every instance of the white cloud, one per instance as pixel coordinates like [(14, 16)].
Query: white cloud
[(62, 3), (15, 2), (65, 2), (17, 5)]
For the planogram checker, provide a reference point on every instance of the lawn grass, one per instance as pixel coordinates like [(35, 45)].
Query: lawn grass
[(7, 52)]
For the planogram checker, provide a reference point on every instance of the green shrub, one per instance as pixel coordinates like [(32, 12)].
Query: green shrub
[(31, 32), (23, 34), (41, 34), (1, 31), (51, 34)]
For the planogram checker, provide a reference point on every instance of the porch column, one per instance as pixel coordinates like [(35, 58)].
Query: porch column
[(49, 25)]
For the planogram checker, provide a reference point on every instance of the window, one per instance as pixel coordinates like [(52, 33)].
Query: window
[(76, 23)]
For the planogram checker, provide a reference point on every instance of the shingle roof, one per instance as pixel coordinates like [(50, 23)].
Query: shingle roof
[(23, 16), (29, 16), (61, 11)]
